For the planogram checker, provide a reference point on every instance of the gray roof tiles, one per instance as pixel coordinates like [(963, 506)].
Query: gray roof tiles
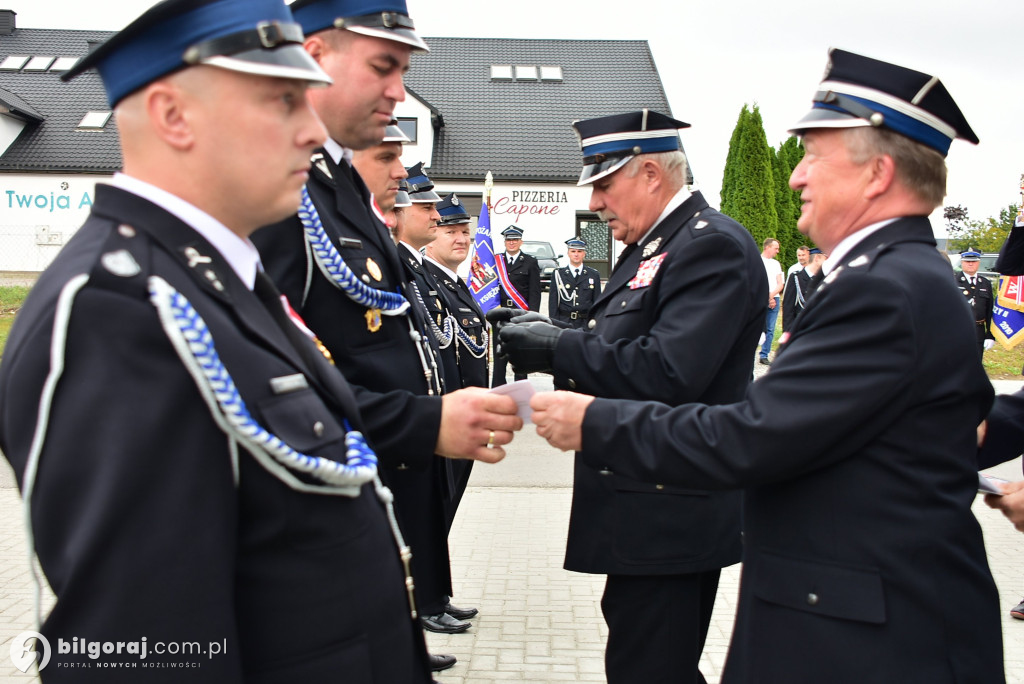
[(518, 130)]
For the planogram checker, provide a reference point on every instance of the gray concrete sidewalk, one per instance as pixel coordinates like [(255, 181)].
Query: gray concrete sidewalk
[(538, 623)]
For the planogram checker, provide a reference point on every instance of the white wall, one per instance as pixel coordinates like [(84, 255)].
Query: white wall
[(422, 150), (38, 214), (545, 211)]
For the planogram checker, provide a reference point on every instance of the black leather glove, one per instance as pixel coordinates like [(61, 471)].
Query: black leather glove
[(499, 315), (530, 346), (533, 316)]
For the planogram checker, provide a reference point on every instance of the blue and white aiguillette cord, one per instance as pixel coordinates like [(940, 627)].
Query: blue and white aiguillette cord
[(194, 344), (337, 271)]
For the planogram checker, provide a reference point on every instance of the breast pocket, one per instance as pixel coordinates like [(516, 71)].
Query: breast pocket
[(302, 421), (827, 589), (627, 303)]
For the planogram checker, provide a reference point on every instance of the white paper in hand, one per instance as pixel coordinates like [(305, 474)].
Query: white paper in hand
[(522, 391)]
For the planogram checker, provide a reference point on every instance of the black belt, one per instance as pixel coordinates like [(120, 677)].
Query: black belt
[(574, 315)]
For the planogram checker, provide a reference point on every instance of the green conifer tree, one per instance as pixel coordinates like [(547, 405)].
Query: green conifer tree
[(748, 186)]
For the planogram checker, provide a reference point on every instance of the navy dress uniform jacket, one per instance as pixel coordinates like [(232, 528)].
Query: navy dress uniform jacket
[(140, 524), (686, 335), (525, 277), (434, 309), (570, 298), (381, 361), (981, 297), (460, 303), (470, 371), (862, 560)]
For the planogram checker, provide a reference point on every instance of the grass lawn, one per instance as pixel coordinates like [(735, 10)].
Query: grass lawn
[(11, 298)]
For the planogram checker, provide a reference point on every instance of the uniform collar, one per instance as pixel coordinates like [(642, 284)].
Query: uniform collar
[(677, 201), (239, 252), (415, 252), (453, 274), (337, 152), (849, 242)]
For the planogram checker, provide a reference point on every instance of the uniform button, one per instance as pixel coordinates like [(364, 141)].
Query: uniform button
[(572, 384), (318, 429), (812, 599), (592, 324), (623, 304), (365, 278), (604, 472), (659, 487)]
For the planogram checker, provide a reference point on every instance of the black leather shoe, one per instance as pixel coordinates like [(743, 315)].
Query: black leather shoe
[(444, 623), (440, 662), (766, 362), (460, 613)]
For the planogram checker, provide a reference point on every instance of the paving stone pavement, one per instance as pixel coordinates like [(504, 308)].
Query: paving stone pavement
[(538, 623)]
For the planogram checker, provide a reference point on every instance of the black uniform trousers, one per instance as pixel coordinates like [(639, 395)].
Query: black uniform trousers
[(677, 320)]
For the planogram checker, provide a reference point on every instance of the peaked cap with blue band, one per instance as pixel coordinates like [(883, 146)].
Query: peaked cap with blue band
[(861, 91), (250, 36), (387, 19), (402, 198), (970, 255), (513, 232), (452, 211), (421, 188), (576, 243), (608, 142)]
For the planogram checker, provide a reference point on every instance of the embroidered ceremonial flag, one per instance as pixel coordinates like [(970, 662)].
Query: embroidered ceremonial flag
[(1011, 292), (483, 277), (1007, 326)]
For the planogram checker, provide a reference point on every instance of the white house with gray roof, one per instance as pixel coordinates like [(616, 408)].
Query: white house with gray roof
[(473, 105)]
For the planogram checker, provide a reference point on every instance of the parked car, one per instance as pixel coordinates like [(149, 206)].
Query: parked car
[(547, 260)]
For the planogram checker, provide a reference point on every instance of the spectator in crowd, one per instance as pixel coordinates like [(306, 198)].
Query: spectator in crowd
[(773, 270)]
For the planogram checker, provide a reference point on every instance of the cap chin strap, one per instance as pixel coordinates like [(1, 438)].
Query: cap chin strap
[(266, 36)]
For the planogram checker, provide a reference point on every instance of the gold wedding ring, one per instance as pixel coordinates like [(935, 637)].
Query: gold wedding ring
[(490, 440)]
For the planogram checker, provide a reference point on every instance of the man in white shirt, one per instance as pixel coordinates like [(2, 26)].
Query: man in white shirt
[(773, 270)]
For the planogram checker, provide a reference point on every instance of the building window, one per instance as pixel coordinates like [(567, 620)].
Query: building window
[(64, 63), (13, 62), (94, 121), (598, 237), (551, 73), (408, 126), (526, 72), (499, 72), (39, 64)]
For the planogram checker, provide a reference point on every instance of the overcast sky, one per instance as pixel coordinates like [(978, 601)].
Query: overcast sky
[(716, 55)]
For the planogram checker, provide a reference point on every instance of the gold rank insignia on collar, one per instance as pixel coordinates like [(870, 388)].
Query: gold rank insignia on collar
[(651, 247)]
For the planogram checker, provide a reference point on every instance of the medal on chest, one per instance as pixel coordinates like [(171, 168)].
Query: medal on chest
[(373, 320), (646, 272)]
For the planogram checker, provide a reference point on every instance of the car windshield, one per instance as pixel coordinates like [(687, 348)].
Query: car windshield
[(541, 250)]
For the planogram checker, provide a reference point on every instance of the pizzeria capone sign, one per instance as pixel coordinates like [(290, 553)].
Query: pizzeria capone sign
[(530, 203)]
